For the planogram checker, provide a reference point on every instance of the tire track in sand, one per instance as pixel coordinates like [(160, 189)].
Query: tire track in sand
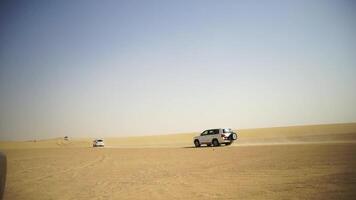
[(74, 169)]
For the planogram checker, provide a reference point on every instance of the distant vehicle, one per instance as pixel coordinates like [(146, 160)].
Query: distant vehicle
[(98, 143), (215, 137)]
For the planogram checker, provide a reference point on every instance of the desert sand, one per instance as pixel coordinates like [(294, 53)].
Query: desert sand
[(299, 162)]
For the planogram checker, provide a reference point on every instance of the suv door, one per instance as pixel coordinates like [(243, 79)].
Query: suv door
[(213, 133), (203, 137)]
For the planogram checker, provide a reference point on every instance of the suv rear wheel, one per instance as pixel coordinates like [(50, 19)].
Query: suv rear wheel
[(196, 143), (215, 143)]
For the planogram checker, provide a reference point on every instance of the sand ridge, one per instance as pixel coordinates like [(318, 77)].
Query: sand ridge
[(261, 136)]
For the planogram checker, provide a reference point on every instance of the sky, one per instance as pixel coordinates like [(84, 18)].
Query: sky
[(88, 68)]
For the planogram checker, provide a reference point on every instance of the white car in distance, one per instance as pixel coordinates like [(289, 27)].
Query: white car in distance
[(98, 143), (215, 137)]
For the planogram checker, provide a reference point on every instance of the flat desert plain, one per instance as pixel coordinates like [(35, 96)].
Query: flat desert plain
[(300, 162)]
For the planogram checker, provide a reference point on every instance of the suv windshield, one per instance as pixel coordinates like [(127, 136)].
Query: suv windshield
[(99, 140)]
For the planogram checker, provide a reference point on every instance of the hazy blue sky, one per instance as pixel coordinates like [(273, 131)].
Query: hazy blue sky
[(119, 68)]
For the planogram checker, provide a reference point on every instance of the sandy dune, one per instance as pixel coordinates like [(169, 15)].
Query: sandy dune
[(277, 135), (307, 162)]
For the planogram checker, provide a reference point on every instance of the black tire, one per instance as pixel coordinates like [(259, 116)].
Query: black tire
[(3, 166), (228, 143), (233, 136), (196, 143), (215, 143)]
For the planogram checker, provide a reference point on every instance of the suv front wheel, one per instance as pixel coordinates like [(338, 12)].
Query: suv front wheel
[(196, 143)]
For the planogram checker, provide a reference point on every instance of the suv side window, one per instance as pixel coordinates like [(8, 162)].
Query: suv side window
[(204, 133), (213, 132)]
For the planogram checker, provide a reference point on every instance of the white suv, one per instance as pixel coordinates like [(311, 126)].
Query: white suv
[(215, 137), (98, 143)]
